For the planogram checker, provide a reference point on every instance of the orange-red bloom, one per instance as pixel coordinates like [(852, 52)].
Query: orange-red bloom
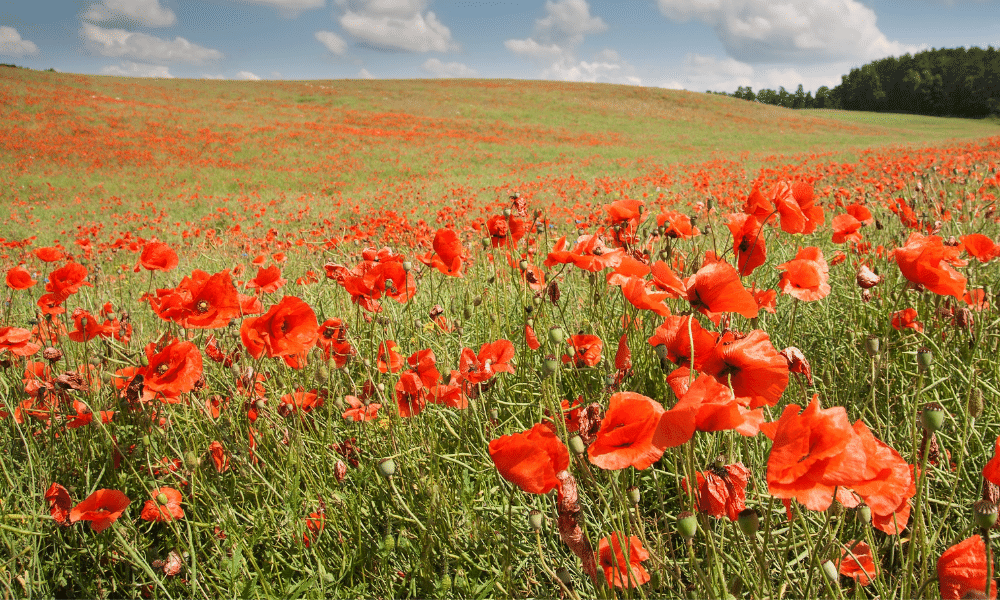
[(287, 330), (906, 319), (59, 503), (676, 225), (856, 562), (102, 508), (49, 254), (359, 410), (493, 357), (172, 371), (19, 278), (748, 241), (586, 350), (268, 280), (200, 301), (628, 434), (962, 569), (846, 228), (505, 231), (981, 247), (751, 366), (797, 207), (619, 571), (925, 260), (17, 341), (805, 277), (164, 506), (157, 256), (706, 406), (722, 491), (530, 459), (219, 456), (332, 339), (590, 253), (447, 256), (716, 288)]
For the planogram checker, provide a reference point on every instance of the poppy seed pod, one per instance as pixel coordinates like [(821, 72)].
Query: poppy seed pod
[(191, 460), (864, 514), (557, 335), (535, 519), (872, 344), (925, 358), (687, 524), (976, 404), (831, 573), (932, 417), (564, 576), (387, 467), (633, 494), (550, 365), (407, 266), (162, 499), (576, 445), (749, 521), (984, 513)]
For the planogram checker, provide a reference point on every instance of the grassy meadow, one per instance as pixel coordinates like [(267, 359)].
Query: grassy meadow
[(465, 338)]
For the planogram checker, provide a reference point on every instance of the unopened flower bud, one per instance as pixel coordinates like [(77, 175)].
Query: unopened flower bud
[(523, 265), (467, 313), (976, 404), (191, 460), (984, 513), (506, 212), (687, 524), (387, 467), (864, 514), (749, 521), (661, 351), (535, 520), (557, 335), (633, 494), (564, 576), (831, 573), (932, 417)]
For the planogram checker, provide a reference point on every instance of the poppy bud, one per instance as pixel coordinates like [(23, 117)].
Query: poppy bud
[(535, 519), (872, 346), (984, 513), (506, 212), (687, 524), (557, 335), (523, 265), (191, 460), (864, 514), (493, 414), (381, 388), (835, 509), (832, 573), (95, 361), (322, 374), (260, 404), (932, 417), (925, 358), (976, 404), (162, 499), (749, 521), (866, 295), (576, 445), (563, 574), (633, 494), (467, 313), (387, 467), (403, 542)]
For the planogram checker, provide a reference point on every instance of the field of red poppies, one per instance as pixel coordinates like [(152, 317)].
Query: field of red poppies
[(339, 339)]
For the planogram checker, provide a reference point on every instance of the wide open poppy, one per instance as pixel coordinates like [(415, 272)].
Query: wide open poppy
[(962, 569), (806, 276), (493, 357), (67, 280), (49, 254), (676, 225), (981, 247), (628, 434), (619, 571), (18, 278), (17, 341), (846, 228), (925, 260), (287, 330), (906, 319), (87, 327), (411, 394), (172, 371), (530, 459), (706, 405), (505, 231), (751, 366), (102, 508), (359, 411), (586, 350), (165, 505), (200, 301), (797, 207), (716, 288)]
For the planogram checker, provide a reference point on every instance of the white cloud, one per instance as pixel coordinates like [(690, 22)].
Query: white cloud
[(364, 74), (290, 8), (147, 13), (531, 49), (602, 70), (119, 43), (701, 73), (452, 69), (567, 22), (333, 42), (247, 76), (396, 25), (133, 69), (764, 31), (210, 76), (11, 43)]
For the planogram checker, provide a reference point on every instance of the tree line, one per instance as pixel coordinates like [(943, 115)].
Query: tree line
[(956, 82)]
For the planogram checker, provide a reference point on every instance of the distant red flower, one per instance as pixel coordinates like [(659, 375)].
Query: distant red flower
[(219, 456), (505, 230), (676, 225), (860, 212), (102, 508), (722, 491), (962, 569), (157, 256), (359, 410), (299, 401), (846, 228), (60, 503), (268, 280), (748, 242), (906, 319), (856, 562), (287, 330), (925, 260), (493, 357), (586, 350), (530, 459), (423, 363), (621, 571), (49, 254), (18, 278), (628, 434), (806, 276), (624, 218), (164, 506)]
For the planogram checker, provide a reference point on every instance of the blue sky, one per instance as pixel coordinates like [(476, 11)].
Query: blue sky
[(688, 44)]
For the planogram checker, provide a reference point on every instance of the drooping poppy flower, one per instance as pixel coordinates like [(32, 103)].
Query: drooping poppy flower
[(856, 562), (493, 357), (628, 434), (268, 280), (164, 506), (797, 207), (924, 260), (157, 256), (860, 212), (49, 254), (60, 503), (505, 230), (621, 571), (676, 225), (906, 319), (102, 508), (624, 218), (87, 327), (846, 228), (530, 459), (530, 338), (748, 242), (220, 458), (751, 366), (18, 278), (586, 350), (411, 394), (172, 371), (885, 484), (590, 253), (359, 411), (981, 247), (706, 405), (447, 256), (757, 204), (806, 276), (389, 359), (722, 490), (17, 341), (716, 288), (287, 330), (962, 569)]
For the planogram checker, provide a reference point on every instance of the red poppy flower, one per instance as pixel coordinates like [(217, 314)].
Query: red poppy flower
[(757, 204), (505, 230), (530, 338), (87, 327), (751, 366), (706, 405), (962, 569), (980, 247), (722, 491), (102, 508), (676, 335), (424, 364), (619, 571), (287, 330), (49, 254), (623, 356), (59, 503), (67, 280), (634, 290), (201, 301), (628, 434), (856, 562), (590, 253), (886, 484), (164, 506), (359, 410), (84, 416), (19, 278), (17, 341), (805, 277), (846, 228), (450, 394), (219, 456), (214, 352), (389, 360), (268, 280), (663, 278), (716, 288), (172, 371), (991, 471), (411, 394), (797, 207), (860, 212), (493, 357), (586, 350), (157, 256), (924, 260), (447, 256), (748, 242), (530, 459), (766, 299), (624, 218), (332, 339), (676, 225), (906, 319), (299, 401)]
